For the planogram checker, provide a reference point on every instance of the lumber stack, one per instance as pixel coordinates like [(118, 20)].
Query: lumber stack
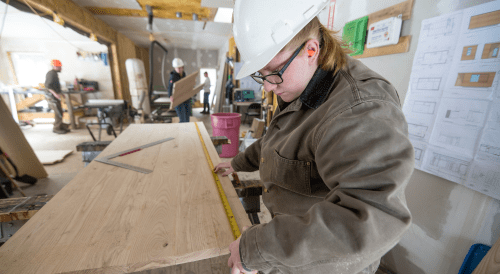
[(113, 220)]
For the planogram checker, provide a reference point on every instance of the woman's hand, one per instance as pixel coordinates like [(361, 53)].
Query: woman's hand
[(234, 261), (227, 166)]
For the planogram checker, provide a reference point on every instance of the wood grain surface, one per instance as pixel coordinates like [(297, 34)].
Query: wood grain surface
[(113, 220), (490, 264), (183, 89), (14, 144)]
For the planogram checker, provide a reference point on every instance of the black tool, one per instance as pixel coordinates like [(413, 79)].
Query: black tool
[(25, 178)]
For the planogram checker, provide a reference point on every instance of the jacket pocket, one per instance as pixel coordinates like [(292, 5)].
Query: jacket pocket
[(293, 175)]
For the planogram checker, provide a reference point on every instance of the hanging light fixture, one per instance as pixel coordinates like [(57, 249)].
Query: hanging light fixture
[(195, 17), (178, 14)]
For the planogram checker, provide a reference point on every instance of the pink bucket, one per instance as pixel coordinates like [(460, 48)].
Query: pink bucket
[(227, 124)]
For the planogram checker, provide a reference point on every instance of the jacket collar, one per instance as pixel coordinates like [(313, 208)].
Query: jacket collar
[(315, 93), (318, 88)]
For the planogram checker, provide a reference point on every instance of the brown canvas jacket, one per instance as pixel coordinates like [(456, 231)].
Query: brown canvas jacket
[(334, 164)]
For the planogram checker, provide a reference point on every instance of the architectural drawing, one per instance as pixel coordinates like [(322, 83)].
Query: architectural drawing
[(417, 131), (468, 115), (433, 57), (424, 107), (443, 27), (451, 166), (427, 84)]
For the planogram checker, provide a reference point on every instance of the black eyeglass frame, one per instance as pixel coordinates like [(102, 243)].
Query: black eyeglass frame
[(261, 79)]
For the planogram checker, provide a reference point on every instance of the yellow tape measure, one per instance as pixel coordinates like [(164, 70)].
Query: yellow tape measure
[(222, 194)]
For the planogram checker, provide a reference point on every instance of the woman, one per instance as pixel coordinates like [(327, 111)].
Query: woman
[(184, 109), (336, 158)]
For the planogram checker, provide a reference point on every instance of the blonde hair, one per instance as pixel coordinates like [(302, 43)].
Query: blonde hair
[(332, 53)]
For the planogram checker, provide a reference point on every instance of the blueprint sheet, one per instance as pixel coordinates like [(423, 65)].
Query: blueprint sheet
[(453, 101)]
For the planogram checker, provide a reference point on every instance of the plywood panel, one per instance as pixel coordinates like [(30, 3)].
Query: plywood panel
[(404, 9), (112, 220), (13, 142), (183, 89), (491, 51), (469, 53), (484, 20), (401, 47)]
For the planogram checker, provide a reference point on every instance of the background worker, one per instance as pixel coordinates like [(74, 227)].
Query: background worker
[(336, 158), (53, 96), (183, 110), (206, 94)]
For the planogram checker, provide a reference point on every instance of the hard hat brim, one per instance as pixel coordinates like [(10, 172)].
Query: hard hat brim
[(261, 61)]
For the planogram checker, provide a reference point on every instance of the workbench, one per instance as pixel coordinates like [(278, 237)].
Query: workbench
[(113, 220)]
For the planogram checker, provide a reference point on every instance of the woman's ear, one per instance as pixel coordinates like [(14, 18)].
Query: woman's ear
[(312, 50)]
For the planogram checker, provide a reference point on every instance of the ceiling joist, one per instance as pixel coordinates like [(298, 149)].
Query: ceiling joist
[(204, 14)]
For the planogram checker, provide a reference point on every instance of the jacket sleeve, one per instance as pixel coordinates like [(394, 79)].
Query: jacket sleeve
[(170, 85), (365, 158), (248, 160)]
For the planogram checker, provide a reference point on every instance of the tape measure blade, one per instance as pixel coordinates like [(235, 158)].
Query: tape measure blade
[(225, 203)]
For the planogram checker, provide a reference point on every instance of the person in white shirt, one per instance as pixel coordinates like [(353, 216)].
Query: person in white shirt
[(206, 94)]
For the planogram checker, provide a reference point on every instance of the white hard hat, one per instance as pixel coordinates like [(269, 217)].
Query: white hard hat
[(263, 27), (177, 63)]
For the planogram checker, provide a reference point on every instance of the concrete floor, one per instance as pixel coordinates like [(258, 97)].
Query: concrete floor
[(41, 137)]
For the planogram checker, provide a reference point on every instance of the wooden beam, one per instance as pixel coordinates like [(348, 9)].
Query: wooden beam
[(12, 70), (30, 101), (203, 13), (77, 16)]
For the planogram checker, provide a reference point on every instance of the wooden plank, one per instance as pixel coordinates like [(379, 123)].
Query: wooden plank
[(403, 8), (183, 89), (491, 262), (113, 220), (30, 101), (13, 142), (21, 208), (484, 20), (232, 196), (401, 47)]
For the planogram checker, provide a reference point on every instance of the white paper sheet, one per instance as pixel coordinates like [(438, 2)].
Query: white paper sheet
[(453, 100)]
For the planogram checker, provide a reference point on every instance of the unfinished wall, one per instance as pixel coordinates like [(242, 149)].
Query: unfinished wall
[(447, 217), (194, 60)]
